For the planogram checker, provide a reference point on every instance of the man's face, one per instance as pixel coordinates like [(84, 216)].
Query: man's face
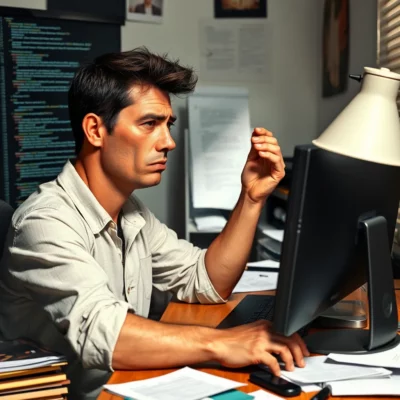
[(147, 3), (135, 154)]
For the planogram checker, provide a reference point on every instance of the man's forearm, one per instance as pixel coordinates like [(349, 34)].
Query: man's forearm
[(144, 343), (228, 253)]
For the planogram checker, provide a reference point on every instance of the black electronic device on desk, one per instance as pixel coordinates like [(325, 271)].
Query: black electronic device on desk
[(340, 221)]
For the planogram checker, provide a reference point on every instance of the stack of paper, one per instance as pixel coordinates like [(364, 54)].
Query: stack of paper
[(19, 355), (376, 386), (351, 374), (389, 386), (27, 372), (318, 370), (210, 223)]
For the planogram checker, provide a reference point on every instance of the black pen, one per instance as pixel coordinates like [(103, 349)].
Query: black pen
[(323, 394)]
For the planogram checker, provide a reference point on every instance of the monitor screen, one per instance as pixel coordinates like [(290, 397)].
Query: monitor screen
[(340, 221), (38, 60)]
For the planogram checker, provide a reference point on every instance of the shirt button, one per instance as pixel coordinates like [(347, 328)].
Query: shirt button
[(129, 290)]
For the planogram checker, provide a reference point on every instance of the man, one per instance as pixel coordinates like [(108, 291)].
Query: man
[(83, 252), (146, 8)]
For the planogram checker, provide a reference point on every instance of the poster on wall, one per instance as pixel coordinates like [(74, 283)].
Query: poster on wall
[(144, 10), (240, 8), (335, 47)]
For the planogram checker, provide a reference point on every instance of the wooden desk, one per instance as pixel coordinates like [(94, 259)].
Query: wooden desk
[(210, 315)]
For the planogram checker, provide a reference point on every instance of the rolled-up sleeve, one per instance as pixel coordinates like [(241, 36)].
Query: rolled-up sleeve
[(178, 265), (50, 256)]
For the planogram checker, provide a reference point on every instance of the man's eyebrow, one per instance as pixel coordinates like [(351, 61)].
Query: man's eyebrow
[(157, 117)]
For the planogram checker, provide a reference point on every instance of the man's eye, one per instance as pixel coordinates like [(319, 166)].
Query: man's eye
[(170, 125), (149, 123)]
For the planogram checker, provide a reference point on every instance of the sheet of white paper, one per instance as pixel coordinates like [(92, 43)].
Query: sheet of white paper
[(211, 222), (219, 143), (255, 281), (306, 387), (264, 263), (318, 371), (183, 384), (276, 234), (272, 232), (263, 395), (235, 51), (389, 386), (389, 358)]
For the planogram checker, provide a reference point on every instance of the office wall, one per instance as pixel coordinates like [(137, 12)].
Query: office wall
[(363, 53), (287, 106), (291, 105)]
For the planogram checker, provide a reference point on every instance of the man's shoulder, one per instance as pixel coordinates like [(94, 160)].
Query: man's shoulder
[(50, 199)]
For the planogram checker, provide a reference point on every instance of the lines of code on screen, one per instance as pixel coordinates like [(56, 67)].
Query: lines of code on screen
[(38, 59)]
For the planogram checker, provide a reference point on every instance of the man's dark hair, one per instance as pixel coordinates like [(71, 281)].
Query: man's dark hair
[(103, 86)]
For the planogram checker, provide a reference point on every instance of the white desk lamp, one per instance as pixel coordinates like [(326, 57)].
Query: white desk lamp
[(368, 128)]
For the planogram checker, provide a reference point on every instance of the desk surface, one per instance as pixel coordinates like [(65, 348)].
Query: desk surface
[(210, 316)]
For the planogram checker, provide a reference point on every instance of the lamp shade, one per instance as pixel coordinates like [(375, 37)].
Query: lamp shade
[(369, 127)]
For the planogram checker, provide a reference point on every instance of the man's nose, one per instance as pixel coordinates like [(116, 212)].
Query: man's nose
[(166, 141)]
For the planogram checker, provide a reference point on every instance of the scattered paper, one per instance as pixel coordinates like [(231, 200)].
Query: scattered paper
[(272, 232), (255, 281), (388, 359), (389, 386), (306, 387), (264, 264), (183, 384), (219, 143), (210, 223), (319, 371)]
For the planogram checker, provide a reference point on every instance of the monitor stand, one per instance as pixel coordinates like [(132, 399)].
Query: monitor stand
[(382, 332), (344, 314)]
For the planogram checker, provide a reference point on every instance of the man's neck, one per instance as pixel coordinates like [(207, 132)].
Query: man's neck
[(106, 193)]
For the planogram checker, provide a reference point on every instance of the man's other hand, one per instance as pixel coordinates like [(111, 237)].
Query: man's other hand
[(264, 167)]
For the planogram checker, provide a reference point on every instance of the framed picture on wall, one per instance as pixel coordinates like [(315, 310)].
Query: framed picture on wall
[(240, 8), (144, 10), (335, 47)]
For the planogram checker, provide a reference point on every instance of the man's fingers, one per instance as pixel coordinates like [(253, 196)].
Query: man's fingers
[(273, 148), (262, 131), (275, 159), (272, 363), (301, 343), (296, 346), (284, 353), (264, 139), (295, 351)]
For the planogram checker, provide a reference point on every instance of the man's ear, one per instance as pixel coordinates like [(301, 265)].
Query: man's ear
[(94, 129)]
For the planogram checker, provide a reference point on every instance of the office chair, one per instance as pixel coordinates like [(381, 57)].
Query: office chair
[(6, 212)]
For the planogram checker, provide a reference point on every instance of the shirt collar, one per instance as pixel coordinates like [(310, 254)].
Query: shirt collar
[(86, 203)]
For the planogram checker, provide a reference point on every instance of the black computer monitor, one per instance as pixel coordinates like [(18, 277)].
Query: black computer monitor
[(340, 225)]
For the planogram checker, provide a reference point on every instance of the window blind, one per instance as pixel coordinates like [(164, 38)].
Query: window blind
[(389, 50)]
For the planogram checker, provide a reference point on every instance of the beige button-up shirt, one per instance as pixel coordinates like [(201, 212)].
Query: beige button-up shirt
[(64, 282)]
